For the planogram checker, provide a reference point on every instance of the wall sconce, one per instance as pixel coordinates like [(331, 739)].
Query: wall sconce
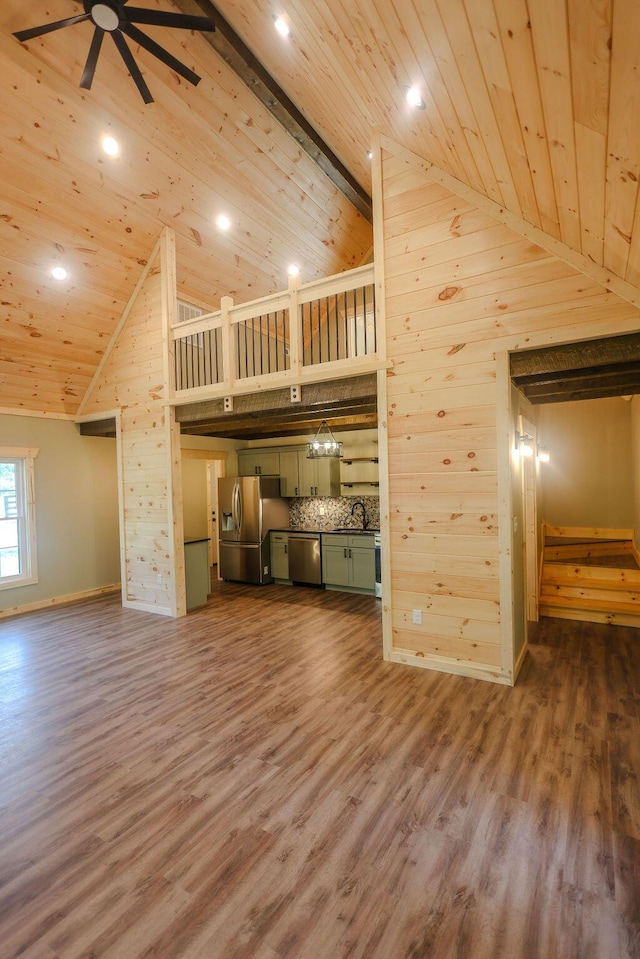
[(544, 455), (524, 444)]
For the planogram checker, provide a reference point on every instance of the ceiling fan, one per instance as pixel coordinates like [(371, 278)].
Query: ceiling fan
[(112, 16)]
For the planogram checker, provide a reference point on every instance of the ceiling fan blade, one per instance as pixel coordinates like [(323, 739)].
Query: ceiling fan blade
[(160, 53), (49, 27), (159, 18), (132, 66), (92, 59)]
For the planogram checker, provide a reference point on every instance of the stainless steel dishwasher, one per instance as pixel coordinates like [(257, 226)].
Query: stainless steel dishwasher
[(305, 558)]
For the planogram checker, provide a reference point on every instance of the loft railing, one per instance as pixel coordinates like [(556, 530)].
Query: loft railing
[(316, 329)]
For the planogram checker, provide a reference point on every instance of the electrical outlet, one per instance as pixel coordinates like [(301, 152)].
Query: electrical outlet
[(322, 510), (159, 579), (417, 616), (228, 404)]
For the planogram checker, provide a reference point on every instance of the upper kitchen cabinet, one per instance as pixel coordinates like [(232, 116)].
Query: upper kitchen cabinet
[(300, 476), (319, 477), (259, 463)]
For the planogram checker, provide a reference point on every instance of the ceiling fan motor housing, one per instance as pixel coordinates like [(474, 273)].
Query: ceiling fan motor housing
[(105, 14)]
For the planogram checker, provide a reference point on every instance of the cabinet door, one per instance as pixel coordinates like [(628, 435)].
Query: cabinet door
[(362, 568), (335, 565), (246, 463), (307, 475), (258, 462), (279, 559), (327, 480), (289, 482)]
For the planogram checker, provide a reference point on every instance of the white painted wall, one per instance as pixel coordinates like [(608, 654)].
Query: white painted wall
[(194, 479), (589, 481), (76, 490)]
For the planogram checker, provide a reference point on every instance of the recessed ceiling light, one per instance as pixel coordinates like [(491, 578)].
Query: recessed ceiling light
[(282, 27), (59, 273), (413, 98), (294, 270), (110, 146), (223, 222)]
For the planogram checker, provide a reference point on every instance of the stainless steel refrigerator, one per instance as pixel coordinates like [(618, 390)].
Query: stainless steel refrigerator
[(248, 507)]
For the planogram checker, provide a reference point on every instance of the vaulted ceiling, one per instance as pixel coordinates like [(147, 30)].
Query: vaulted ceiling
[(533, 103)]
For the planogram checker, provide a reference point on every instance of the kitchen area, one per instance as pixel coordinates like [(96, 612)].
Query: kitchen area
[(303, 520)]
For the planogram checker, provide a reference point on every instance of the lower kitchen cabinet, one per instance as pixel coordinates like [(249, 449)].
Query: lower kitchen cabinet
[(348, 562), (279, 555)]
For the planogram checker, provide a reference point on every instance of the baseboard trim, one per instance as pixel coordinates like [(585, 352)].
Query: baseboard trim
[(453, 666), (57, 601)]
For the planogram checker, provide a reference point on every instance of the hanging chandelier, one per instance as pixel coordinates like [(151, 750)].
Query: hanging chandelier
[(324, 444)]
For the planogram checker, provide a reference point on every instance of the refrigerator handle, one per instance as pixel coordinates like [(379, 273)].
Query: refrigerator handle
[(238, 507), (234, 507)]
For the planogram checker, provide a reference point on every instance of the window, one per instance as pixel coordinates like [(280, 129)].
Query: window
[(17, 518)]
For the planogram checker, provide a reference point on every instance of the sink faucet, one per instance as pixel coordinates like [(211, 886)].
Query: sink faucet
[(365, 521)]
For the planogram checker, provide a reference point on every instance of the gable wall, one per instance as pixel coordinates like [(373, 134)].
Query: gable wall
[(462, 288), (132, 381)]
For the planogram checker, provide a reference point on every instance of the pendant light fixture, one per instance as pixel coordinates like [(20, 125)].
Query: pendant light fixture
[(324, 444)]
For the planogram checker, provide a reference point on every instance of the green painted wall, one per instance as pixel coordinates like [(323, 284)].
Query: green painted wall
[(76, 490)]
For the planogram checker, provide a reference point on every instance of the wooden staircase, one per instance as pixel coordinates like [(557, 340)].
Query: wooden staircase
[(574, 586)]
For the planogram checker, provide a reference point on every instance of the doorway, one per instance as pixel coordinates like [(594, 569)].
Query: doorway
[(215, 470), (581, 399)]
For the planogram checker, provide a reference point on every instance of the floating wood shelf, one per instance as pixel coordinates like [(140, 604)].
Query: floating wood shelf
[(361, 459), (360, 483)]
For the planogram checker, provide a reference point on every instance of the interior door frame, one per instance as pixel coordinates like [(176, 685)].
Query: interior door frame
[(530, 532), (215, 470)]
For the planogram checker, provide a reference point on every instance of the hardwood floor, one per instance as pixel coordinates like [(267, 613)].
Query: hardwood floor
[(253, 782)]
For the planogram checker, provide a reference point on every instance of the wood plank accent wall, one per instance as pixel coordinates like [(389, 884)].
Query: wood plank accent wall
[(132, 380), (462, 288)]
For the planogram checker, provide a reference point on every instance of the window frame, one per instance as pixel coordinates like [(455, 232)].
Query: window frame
[(25, 488)]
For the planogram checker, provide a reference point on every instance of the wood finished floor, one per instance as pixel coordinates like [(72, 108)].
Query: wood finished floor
[(253, 782)]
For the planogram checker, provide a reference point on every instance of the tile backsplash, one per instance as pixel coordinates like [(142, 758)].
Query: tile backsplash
[(304, 513)]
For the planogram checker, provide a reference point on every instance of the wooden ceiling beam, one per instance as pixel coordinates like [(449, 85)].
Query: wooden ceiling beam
[(233, 50), (312, 394), (573, 396), (106, 427), (251, 430), (347, 403), (611, 350), (610, 371)]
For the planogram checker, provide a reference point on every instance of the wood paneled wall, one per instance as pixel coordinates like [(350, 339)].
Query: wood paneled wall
[(462, 288), (132, 380)]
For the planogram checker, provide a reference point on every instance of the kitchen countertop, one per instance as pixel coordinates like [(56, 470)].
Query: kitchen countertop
[(340, 531)]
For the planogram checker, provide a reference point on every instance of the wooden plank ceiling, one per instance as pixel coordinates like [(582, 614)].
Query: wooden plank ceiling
[(534, 103)]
